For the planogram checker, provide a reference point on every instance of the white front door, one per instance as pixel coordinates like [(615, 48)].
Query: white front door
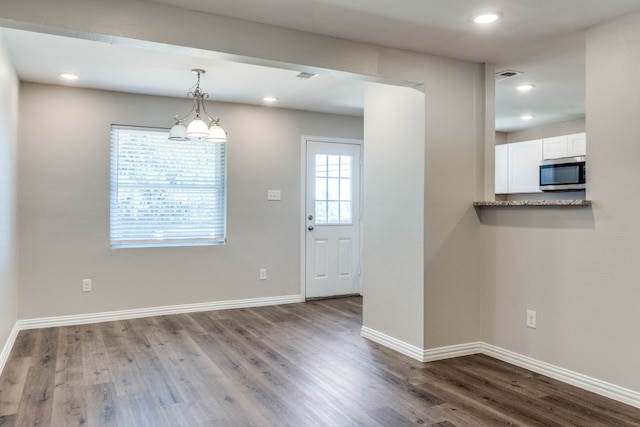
[(332, 252)]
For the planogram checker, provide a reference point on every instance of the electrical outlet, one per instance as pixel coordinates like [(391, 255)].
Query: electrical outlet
[(531, 319), (86, 285), (263, 274)]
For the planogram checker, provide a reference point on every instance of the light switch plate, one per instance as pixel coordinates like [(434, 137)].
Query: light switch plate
[(273, 195)]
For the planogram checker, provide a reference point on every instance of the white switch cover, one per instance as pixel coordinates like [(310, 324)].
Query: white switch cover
[(273, 195), (263, 274), (86, 285)]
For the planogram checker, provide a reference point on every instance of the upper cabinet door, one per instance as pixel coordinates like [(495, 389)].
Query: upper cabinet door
[(555, 148), (524, 164), (502, 168), (577, 144)]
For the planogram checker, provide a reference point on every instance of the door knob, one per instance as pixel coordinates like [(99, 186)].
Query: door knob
[(310, 228), (310, 217)]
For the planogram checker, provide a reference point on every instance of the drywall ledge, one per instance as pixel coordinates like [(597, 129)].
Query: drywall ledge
[(536, 203)]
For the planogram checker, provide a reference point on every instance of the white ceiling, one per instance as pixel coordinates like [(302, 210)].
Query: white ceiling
[(544, 39), (41, 57)]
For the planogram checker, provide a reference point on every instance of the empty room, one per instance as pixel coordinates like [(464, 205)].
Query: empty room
[(319, 213)]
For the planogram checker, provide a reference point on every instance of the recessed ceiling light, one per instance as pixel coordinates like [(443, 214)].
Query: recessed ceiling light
[(487, 18), (69, 76), (525, 88), (269, 99), (526, 117)]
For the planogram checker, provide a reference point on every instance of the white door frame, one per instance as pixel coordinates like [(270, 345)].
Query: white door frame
[(303, 206)]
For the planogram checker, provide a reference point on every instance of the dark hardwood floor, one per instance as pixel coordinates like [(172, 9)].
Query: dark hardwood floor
[(291, 365)]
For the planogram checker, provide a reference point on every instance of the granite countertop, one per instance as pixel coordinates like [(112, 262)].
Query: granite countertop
[(497, 203)]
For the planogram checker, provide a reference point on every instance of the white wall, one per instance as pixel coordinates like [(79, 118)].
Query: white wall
[(454, 153), (578, 268), (8, 205), (394, 176), (64, 205), (454, 159)]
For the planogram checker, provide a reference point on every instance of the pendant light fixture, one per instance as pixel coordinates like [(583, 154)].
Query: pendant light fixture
[(198, 128)]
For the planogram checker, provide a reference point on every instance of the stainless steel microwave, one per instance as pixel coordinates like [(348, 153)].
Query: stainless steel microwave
[(565, 174)]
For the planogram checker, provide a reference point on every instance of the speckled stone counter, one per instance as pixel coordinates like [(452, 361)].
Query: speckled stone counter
[(541, 203)]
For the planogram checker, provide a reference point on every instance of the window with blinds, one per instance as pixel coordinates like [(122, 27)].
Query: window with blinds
[(166, 193)]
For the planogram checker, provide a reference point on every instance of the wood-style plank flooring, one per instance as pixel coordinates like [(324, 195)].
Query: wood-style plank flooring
[(292, 365)]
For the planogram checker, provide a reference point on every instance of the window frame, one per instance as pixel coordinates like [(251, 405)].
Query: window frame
[(215, 202)]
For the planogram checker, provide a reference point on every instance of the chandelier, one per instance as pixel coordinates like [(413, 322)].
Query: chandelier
[(198, 128)]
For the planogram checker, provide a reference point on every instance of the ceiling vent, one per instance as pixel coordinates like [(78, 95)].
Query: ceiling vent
[(507, 74), (304, 75)]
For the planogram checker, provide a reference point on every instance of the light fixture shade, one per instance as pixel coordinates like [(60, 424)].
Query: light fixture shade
[(216, 133), (178, 132), (197, 129)]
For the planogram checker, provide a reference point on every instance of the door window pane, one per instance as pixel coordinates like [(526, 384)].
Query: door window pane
[(333, 166), (321, 188), (345, 167), (345, 212), (321, 165), (333, 212), (333, 189), (345, 189), (321, 212)]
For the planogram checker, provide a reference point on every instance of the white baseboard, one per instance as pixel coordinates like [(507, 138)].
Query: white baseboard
[(392, 343), (612, 391), (109, 316), (83, 319), (6, 350), (417, 353), (449, 352)]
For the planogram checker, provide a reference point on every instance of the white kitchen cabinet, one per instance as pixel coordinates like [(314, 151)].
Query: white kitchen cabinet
[(517, 164), (555, 147), (502, 169), (564, 146), (577, 144), (523, 170)]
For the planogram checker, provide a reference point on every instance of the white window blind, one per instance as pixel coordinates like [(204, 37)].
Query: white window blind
[(166, 193)]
